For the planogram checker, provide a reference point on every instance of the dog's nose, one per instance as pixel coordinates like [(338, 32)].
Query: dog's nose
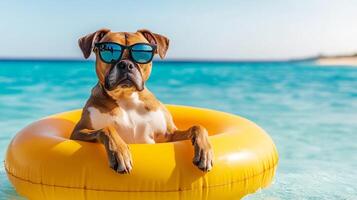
[(126, 65)]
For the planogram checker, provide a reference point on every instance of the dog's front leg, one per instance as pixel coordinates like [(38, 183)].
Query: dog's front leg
[(203, 156), (117, 150)]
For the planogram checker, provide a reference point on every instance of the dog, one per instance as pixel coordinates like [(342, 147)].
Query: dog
[(121, 110)]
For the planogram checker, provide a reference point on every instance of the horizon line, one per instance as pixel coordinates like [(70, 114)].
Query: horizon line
[(68, 59)]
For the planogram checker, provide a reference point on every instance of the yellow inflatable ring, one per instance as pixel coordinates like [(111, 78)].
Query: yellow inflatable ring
[(42, 163)]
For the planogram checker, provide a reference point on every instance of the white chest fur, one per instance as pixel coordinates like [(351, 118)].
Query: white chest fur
[(134, 123)]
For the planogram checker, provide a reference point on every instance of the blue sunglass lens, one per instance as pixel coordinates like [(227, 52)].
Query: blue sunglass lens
[(142, 53), (110, 52)]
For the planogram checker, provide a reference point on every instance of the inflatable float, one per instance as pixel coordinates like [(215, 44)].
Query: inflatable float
[(42, 163)]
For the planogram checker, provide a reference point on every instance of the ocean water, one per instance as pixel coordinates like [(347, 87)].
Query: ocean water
[(309, 111)]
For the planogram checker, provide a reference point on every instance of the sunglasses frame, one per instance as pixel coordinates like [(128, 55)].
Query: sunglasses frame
[(123, 47)]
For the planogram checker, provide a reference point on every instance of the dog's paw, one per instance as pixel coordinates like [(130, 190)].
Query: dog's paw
[(203, 157), (121, 161)]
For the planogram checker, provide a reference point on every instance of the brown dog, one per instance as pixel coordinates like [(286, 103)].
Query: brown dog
[(122, 110)]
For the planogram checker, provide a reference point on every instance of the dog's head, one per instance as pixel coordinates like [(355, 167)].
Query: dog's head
[(129, 69)]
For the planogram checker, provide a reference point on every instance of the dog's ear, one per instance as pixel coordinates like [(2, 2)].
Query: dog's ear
[(86, 43), (160, 41)]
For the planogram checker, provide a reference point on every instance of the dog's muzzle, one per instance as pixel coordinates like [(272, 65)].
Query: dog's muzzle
[(124, 74)]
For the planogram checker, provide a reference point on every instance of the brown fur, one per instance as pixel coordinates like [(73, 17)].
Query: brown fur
[(106, 102)]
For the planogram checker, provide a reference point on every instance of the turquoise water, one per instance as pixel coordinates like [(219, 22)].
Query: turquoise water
[(310, 112)]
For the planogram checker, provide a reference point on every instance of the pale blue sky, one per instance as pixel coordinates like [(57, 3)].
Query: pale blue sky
[(245, 29)]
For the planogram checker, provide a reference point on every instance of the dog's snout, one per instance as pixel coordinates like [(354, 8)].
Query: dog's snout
[(125, 74), (126, 65)]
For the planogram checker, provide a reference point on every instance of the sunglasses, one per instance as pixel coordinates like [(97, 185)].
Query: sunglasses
[(111, 52)]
